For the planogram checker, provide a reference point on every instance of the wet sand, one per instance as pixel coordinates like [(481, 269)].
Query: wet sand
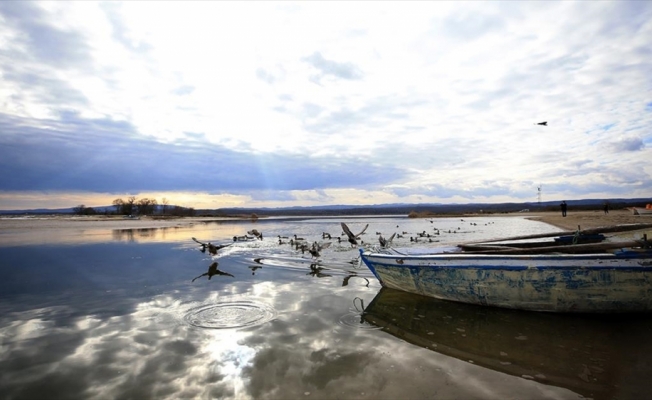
[(589, 219)]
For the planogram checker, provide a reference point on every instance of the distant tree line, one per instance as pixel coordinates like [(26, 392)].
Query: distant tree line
[(145, 206), (83, 210)]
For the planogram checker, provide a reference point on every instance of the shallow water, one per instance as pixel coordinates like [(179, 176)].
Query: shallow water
[(133, 314)]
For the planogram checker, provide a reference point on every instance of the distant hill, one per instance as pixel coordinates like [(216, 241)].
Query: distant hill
[(376, 209)]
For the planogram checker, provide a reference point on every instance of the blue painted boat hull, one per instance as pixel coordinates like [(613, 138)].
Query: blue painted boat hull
[(591, 283)]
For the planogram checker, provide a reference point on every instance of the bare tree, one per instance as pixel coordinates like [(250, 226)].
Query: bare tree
[(165, 203), (118, 203), (146, 206), (79, 210), (130, 206)]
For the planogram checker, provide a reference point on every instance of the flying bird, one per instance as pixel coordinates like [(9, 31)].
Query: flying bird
[(353, 239), (386, 242), (317, 247), (210, 246), (212, 270), (544, 123)]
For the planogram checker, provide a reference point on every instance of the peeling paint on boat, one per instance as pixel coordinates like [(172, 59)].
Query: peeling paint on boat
[(619, 282)]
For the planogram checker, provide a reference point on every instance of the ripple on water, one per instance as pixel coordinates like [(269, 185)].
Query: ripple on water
[(227, 315), (356, 321)]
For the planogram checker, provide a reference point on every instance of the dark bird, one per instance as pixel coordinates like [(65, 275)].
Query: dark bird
[(544, 123), (210, 246), (353, 239), (258, 235), (386, 242), (317, 247), (212, 270)]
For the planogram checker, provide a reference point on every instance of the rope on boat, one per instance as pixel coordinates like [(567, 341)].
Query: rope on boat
[(576, 236), (645, 244)]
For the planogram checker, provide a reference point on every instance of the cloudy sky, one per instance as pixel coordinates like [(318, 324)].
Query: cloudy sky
[(222, 104)]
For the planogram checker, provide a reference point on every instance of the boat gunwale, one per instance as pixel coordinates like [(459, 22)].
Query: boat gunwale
[(478, 256)]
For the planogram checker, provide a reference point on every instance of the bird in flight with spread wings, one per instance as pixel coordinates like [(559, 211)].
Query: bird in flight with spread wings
[(353, 239), (212, 248), (386, 242)]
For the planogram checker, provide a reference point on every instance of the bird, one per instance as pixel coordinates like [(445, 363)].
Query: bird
[(258, 235), (211, 247), (317, 247), (386, 242), (353, 239), (212, 270), (544, 123)]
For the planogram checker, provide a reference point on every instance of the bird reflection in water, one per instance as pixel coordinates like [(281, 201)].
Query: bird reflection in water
[(253, 269), (212, 270), (345, 282), (315, 270)]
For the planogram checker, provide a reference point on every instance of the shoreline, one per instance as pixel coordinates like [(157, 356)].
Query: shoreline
[(583, 219)]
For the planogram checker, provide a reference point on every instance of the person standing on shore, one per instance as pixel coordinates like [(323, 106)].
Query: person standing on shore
[(606, 208), (563, 206)]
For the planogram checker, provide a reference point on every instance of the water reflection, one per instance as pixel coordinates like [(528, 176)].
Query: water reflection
[(580, 353), (103, 316)]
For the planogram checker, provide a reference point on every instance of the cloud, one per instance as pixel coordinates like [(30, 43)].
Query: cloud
[(425, 96), (108, 156), (347, 71), (37, 38), (627, 145)]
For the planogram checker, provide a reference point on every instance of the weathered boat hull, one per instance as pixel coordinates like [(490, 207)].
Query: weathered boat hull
[(642, 211), (620, 282)]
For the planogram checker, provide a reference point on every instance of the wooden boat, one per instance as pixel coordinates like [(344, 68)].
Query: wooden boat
[(642, 211), (583, 354), (593, 278)]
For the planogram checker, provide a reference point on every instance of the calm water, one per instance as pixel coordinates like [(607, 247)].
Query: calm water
[(116, 314)]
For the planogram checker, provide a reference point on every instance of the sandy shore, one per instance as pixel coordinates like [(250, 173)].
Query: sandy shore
[(73, 229), (589, 219)]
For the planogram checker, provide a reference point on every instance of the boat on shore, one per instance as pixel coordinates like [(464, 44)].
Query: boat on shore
[(647, 210), (527, 273)]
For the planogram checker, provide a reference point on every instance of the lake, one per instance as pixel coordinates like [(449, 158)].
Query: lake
[(140, 313)]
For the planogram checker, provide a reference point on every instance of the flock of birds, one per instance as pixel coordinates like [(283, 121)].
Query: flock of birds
[(315, 248)]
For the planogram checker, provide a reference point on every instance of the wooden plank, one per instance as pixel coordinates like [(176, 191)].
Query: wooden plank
[(603, 229), (578, 248)]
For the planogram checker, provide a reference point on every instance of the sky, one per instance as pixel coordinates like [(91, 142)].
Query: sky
[(277, 104)]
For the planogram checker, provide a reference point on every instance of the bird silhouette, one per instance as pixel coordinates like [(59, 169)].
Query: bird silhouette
[(386, 242), (211, 247), (544, 123), (353, 239), (212, 270)]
